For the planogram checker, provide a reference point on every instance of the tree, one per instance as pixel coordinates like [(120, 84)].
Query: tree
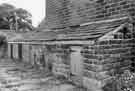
[(4, 12), (15, 18)]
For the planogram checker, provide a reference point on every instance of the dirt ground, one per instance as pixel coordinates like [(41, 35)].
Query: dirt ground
[(18, 76)]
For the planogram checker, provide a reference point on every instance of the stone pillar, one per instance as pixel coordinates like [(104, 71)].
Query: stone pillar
[(25, 52), (15, 51), (9, 50)]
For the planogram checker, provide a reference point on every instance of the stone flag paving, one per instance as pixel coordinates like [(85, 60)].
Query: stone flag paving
[(17, 76)]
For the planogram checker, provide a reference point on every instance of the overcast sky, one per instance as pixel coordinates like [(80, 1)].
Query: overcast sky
[(35, 7)]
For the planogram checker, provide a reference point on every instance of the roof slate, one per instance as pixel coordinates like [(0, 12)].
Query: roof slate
[(10, 35), (91, 31)]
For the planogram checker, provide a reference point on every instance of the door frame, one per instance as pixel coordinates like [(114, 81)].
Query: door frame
[(75, 49)]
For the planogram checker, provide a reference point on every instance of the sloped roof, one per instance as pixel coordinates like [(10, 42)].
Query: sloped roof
[(10, 35), (90, 31)]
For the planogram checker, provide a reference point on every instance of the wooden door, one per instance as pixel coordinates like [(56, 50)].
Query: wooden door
[(20, 51), (76, 61)]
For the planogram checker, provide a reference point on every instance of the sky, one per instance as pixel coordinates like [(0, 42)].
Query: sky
[(35, 7)]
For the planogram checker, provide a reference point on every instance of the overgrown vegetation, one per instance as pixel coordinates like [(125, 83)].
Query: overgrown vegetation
[(122, 82)]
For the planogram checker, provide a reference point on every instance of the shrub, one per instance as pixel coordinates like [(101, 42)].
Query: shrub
[(122, 82)]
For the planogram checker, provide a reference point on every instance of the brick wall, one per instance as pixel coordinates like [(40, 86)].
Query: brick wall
[(61, 13), (106, 59)]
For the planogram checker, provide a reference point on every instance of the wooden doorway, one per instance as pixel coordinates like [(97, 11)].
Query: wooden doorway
[(11, 46), (76, 61), (20, 51)]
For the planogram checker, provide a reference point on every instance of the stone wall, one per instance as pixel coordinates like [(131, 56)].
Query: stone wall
[(61, 64), (38, 55), (49, 57), (106, 59), (63, 13)]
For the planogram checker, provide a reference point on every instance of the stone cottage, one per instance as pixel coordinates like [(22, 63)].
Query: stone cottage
[(88, 42)]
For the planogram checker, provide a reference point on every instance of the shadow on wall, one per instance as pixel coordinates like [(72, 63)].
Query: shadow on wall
[(3, 46)]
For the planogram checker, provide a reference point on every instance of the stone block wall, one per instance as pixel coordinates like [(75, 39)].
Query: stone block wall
[(61, 64), (38, 55), (106, 59), (63, 13), (49, 57)]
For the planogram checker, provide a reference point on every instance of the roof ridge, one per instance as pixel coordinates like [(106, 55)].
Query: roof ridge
[(104, 21)]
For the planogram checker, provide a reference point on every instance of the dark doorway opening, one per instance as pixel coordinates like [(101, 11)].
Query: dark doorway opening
[(20, 51), (11, 46)]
